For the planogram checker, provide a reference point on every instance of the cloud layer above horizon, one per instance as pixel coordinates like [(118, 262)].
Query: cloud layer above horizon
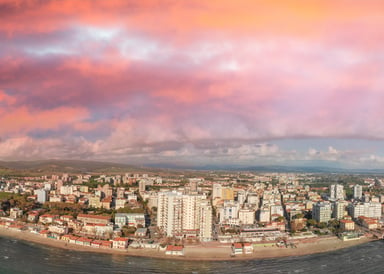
[(193, 82)]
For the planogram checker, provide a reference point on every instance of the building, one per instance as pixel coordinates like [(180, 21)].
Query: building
[(42, 195), (322, 211), (120, 203), (184, 216), (191, 215), (206, 222), (241, 196), (247, 216), (370, 210), (336, 192), (347, 225), (15, 213), (229, 213), (93, 219), (216, 191), (169, 213), (130, 219), (339, 209), (357, 192)]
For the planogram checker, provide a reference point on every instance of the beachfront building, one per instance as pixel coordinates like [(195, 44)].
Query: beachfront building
[(169, 213), (339, 209), (185, 216), (93, 219), (206, 221), (130, 219), (321, 211), (347, 225)]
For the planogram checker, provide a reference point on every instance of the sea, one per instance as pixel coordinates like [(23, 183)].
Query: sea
[(18, 256)]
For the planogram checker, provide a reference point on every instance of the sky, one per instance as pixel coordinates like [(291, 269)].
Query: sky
[(193, 83)]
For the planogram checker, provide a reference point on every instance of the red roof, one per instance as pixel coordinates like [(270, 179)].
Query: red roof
[(94, 216), (118, 239), (174, 248), (237, 245)]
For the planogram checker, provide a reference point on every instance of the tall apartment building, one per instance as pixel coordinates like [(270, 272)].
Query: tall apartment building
[(169, 213), (216, 191), (42, 195), (181, 215), (338, 211), (241, 196), (336, 192), (357, 192), (371, 210), (206, 222), (191, 215), (321, 211)]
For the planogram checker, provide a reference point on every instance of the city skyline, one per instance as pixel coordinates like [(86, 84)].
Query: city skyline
[(193, 82)]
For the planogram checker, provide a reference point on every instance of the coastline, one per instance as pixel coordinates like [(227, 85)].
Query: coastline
[(206, 251)]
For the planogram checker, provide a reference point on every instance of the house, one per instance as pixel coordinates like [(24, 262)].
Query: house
[(248, 248), (174, 250), (58, 229), (369, 223), (32, 216), (15, 213), (106, 203), (44, 233), (66, 218), (47, 218), (347, 225), (72, 239), (65, 237), (93, 219), (141, 232), (237, 249), (96, 243), (83, 241), (120, 243), (106, 244)]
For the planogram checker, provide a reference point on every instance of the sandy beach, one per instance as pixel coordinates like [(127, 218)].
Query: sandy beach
[(206, 251)]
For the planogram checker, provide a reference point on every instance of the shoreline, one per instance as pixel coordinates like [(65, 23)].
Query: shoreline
[(203, 252)]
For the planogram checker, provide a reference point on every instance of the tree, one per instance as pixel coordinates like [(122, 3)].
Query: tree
[(311, 222)]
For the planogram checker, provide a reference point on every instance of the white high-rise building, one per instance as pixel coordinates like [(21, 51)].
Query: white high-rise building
[(241, 196), (339, 208), (191, 214), (217, 191), (357, 192), (205, 233), (181, 215), (169, 213), (42, 195), (322, 211), (337, 192), (372, 210)]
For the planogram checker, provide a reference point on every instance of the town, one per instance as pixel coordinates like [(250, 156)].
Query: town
[(166, 212)]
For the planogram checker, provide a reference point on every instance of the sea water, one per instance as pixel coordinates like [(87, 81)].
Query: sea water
[(17, 256)]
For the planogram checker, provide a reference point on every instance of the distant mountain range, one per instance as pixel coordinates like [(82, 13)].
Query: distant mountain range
[(65, 166), (79, 166)]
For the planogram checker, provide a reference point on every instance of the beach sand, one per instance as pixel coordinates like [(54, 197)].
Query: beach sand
[(206, 251)]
